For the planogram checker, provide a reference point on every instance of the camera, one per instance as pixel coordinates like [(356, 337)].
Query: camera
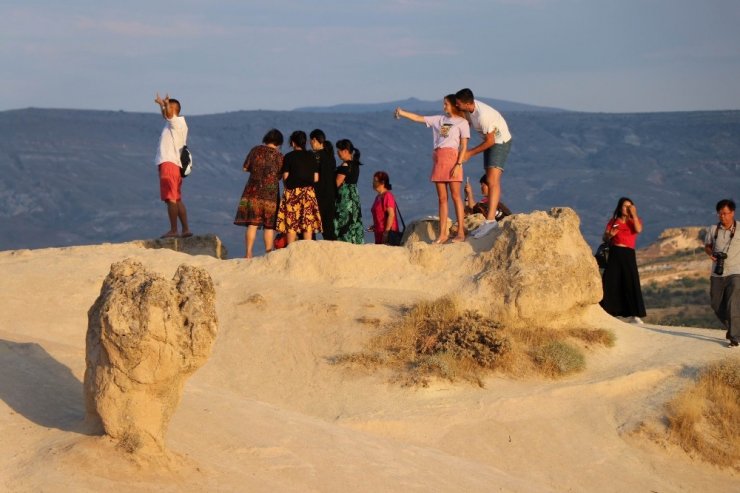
[(719, 264)]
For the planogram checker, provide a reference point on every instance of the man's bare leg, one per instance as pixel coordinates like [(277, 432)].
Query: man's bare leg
[(182, 214), (172, 213), (493, 176)]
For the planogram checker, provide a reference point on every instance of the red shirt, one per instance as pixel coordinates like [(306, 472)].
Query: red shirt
[(383, 202), (626, 233)]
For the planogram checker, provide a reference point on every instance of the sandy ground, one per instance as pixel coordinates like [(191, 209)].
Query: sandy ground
[(269, 412)]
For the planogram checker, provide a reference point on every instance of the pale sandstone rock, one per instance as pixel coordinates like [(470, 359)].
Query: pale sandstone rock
[(145, 336), (539, 272), (209, 244), (427, 229)]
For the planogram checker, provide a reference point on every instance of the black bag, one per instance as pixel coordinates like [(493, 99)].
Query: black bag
[(186, 160), (602, 255), (395, 237)]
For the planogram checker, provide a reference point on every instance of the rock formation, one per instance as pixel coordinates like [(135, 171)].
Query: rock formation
[(539, 272), (145, 336), (195, 245), (675, 240)]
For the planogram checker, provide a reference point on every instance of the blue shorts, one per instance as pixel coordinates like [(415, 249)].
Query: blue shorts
[(495, 156)]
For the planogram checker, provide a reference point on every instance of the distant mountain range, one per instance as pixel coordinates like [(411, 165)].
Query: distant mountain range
[(418, 105), (80, 177)]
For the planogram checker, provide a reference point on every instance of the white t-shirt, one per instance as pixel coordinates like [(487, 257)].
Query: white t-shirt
[(486, 120), (448, 130), (174, 137), (726, 245)]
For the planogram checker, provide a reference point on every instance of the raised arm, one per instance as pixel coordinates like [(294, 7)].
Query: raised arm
[(411, 116), (635, 220), (469, 199), (163, 104)]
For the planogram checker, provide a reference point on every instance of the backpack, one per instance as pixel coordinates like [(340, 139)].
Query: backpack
[(186, 160)]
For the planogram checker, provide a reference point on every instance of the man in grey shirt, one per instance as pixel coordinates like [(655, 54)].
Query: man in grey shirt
[(724, 290)]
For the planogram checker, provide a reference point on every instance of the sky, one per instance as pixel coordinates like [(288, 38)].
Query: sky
[(228, 55)]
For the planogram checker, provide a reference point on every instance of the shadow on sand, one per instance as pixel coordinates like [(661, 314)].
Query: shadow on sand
[(719, 338), (40, 388)]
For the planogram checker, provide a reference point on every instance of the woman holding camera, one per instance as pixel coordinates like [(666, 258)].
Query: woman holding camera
[(621, 281)]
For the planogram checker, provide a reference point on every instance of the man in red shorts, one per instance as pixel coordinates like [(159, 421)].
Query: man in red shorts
[(173, 138)]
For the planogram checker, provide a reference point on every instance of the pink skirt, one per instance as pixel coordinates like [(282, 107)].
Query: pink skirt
[(444, 159)]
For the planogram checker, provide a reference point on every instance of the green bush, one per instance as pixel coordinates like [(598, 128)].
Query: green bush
[(559, 358)]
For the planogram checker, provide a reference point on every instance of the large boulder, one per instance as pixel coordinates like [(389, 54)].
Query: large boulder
[(145, 336), (539, 272)]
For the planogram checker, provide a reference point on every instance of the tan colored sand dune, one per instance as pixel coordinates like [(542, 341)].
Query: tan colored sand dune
[(268, 412)]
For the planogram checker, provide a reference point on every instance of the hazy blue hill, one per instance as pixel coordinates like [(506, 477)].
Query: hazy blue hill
[(418, 105), (74, 177)]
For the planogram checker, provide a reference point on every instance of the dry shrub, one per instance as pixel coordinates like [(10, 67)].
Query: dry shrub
[(601, 337), (703, 419), (436, 339), (558, 358)]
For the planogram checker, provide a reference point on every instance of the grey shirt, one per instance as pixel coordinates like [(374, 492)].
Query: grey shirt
[(731, 248)]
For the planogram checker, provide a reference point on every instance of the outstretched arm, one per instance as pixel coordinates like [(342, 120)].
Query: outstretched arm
[(411, 116)]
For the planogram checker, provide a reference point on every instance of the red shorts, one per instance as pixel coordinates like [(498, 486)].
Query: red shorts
[(170, 182)]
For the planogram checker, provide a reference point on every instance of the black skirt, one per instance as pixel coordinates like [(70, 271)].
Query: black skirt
[(621, 282)]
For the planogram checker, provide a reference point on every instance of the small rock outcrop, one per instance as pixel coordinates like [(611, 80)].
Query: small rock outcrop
[(194, 245), (674, 240), (539, 272), (145, 336)]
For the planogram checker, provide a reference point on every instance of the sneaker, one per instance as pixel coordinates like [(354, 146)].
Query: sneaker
[(637, 320), (484, 229)]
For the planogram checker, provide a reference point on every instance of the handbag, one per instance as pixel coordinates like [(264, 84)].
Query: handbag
[(186, 158), (396, 237), (602, 255)]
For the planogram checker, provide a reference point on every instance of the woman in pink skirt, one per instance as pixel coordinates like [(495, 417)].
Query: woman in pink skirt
[(451, 133)]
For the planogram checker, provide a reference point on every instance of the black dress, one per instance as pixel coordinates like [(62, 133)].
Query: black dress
[(326, 191), (621, 281)]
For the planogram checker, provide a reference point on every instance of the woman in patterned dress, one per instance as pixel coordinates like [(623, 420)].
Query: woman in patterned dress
[(299, 209), (348, 217), (259, 203)]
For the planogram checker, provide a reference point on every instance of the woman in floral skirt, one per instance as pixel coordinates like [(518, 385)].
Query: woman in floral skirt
[(299, 210)]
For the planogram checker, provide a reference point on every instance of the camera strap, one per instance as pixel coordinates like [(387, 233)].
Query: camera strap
[(732, 234)]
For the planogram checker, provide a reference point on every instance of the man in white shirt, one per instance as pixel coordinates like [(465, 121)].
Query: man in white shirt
[(495, 148), (174, 137), (724, 288)]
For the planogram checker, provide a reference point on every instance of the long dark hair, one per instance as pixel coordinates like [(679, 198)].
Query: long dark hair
[(319, 135), (346, 145), (298, 138), (618, 210)]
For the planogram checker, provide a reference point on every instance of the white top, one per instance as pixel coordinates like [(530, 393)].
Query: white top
[(174, 137), (732, 262), (486, 120), (448, 130)]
